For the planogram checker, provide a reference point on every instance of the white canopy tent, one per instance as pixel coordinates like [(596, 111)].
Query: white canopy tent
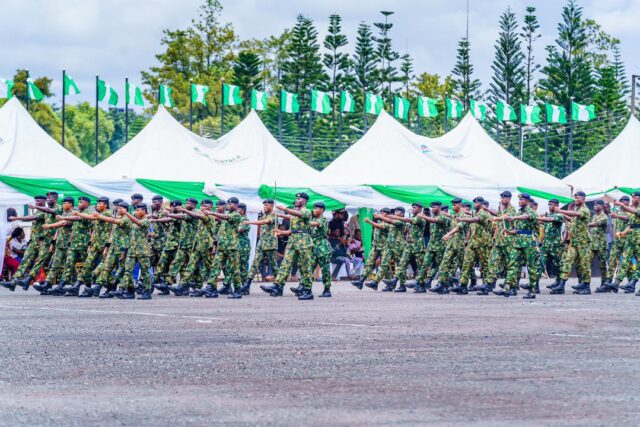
[(614, 166)]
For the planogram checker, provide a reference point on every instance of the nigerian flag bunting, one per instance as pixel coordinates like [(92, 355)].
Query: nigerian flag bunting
[(133, 95), (289, 102), (199, 93), (70, 85), (259, 100), (454, 108), (165, 96), (427, 107), (107, 93), (347, 103), (478, 110), (505, 112), (556, 114), (320, 102), (401, 108), (6, 88), (582, 113), (231, 95), (530, 114), (373, 103), (33, 91)]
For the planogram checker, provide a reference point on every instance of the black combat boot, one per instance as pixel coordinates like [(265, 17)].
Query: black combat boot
[(306, 295), (441, 288), (236, 293), (74, 290), (274, 289), (24, 283), (459, 289), (358, 283), (371, 284), (420, 288), (326, 293), (88, 292), (559, 288), (118, 293), (129, 293), (225, 289), (401, 288), (180, 290), (484, 289), (11, 285), (43, 287), (246, 287), (298, 291), (630, 287), (411, 284), (59, 290), (391, 284), (529, 295), (209, 291), (582, 289), (162, 286), (145, 294)]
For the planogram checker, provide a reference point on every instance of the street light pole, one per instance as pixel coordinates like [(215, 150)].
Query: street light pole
[(633, 93)]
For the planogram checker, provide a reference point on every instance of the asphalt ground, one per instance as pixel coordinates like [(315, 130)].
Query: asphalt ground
[(360, 358)]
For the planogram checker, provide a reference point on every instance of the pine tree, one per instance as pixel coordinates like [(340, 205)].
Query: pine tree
[(609, 100), (620, 71), (247, 75), (365, 60), (508, 70), (386, 56), (530, 35), (465, 86), (335, 61), (406, 74)]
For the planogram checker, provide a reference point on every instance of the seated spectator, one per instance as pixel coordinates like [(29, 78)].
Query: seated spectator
[(12, 263), (337, 222), (357, 252), (18, 243), (339, 254)]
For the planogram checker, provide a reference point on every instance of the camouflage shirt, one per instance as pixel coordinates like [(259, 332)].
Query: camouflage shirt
[(634, 221), (396, 234), (228, 234), (204, 238), (579, 227), (299, 226), (187, 231), (619, 224), (37, 232), (80, 234), (244, 244), (120, 239), (172, 236), (553, 231), (49, 235), (415, 237), (321, 245), (598, 237), (63, 240), (380, 236), (480, 232), (159, 230), (501, 239), (101, 231), (268, 240), (525, 228), (457, 241), (139, 242), (437, 230)]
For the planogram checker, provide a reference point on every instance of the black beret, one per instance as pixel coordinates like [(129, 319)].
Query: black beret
[(233, 200), (319, 204), (435, 204), (524, 196), (103, 200), (533, 201), (142, 206), (599, 202), (207, 202), (123, 204), (506, 193), (116, 202), (157, 197), (68, 200), (478, 199), (83, 199), (467, 204), (52, 193), (416, 205), (554, 202), (385, 210), (303, 195), (579, 194), (445, 207), (485, 203), (456, 201), (137, 196), (268, 202), (40, 197), (625, 199), (399, 208), (191, 200), (242, 206), (636, 194), (221, 203), (176, 203)]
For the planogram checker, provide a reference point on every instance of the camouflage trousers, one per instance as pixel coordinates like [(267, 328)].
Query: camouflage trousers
[(28, 259), (471, 256), (517, 258), (371, 262), (602, 254), (154, 258), (322, 258), (94, 254), (408, 255), (581, 257), (388, 255), (73, 257), (271, 255), (243, 255), (162, 269), (301, 257), (129, 266), (57, 262), (431, 263), (551, 255), (200, 261), (498, 261), (114, 260), (42, 259), (451, 260), (631, 252), (617, 249), (180, 262), (229, 261)]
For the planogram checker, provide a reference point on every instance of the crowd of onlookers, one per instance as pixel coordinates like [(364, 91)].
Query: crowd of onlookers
[(15, 246)]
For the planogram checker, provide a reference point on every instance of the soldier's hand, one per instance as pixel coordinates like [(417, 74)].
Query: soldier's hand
[(281, 208), (31, 206), (446, 237), (11, 218)]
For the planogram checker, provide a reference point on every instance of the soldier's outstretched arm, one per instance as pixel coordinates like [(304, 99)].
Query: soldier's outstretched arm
[(133, 219), (58, 224), (289, 211)]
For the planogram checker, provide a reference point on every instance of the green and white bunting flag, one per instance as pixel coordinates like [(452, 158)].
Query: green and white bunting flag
[(347, 103), (530, 114), (582, 113), (401, 108), (289, 102), (373, 103), (478, 110), (320, 102), (427, 107), (199, 93), (107, 93), (33, 91), (133, 95), (259, 100), (70, 86), (505, 112), (231, 95), (6, 88), (455, 108), (556, 114), (165, 96)]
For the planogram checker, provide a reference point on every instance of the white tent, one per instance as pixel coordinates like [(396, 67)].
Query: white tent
[(614, 166), (162, 150)]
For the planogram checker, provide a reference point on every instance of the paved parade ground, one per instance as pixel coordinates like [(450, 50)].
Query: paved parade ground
[(360, 358)]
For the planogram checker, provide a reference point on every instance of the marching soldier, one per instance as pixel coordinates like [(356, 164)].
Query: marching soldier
[(380, 235), (479, 244), (267, 246), (171, 244), (455, 242), (552, 246), (244, 244), (187, 233), (201, 257), (502, 242), (616, 273), (159, 231), (439, 225), (392, 251), (598, 241), (319, 228), (632, 236), (138, 253)]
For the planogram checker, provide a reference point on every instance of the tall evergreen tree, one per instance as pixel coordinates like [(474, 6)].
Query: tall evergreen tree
[(335, 60), (365, 60), (386, 56), (406, 74), (247, 74), (508, 81), (465, 86), (530, 35)]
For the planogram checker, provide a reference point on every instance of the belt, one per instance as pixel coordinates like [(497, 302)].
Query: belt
[(525, 232), (635, 227), (299, 232)]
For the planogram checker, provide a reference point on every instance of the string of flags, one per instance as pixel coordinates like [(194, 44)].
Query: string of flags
[(321, 102)]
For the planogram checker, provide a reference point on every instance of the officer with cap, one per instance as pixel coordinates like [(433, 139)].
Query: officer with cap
[(136, 199), (298, 249), (267, 246), (380, 235), (173, 229), (392, 251), (632, 247), (454, 250), (552, 247), (616, 273), (502, 243), (186, 239), (598, 242)]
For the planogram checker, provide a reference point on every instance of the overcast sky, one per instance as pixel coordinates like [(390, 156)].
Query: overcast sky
[(118, 38)]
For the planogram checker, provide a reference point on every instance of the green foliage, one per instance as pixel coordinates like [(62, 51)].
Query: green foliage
[(465, 86), (247, 75), (80, 121), (530, 35)]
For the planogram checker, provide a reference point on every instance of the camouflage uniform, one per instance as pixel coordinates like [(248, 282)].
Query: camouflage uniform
[(33, 247), (63, 240), (227, 252), (116, 253), (552, 246), (45, 243), (267, 246), (299, 250), (578, 251), (617, 250), (159, 231), (139, 251), (100, 237), (187, 233), (244, 246), (377, 248), (454, 249), (598, 243), (171, 243), (632, 247), (413, 250), (478, 247), (321, 250), (523, 250), (435, 249), (499, 257), (201, 257), (392, 251), (80, 236)]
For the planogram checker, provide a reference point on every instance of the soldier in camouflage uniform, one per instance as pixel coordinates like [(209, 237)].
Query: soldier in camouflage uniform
[(632, 247), (523, 250), (579, 250), (202, 256), (502, 242), (439, 225), (47, 246), (479, 245), (187, 234), (226, 253), (319, 229), (620, 219), (413, 251), (392, 251), (158, 233), (552, 247), (244, 244), (139, 252), (267, 247), (598, 240), (380, 235), (299, 248), (172, 242), (455, 241)]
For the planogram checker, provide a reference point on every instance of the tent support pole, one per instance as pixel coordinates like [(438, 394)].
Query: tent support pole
[(97, 128)]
